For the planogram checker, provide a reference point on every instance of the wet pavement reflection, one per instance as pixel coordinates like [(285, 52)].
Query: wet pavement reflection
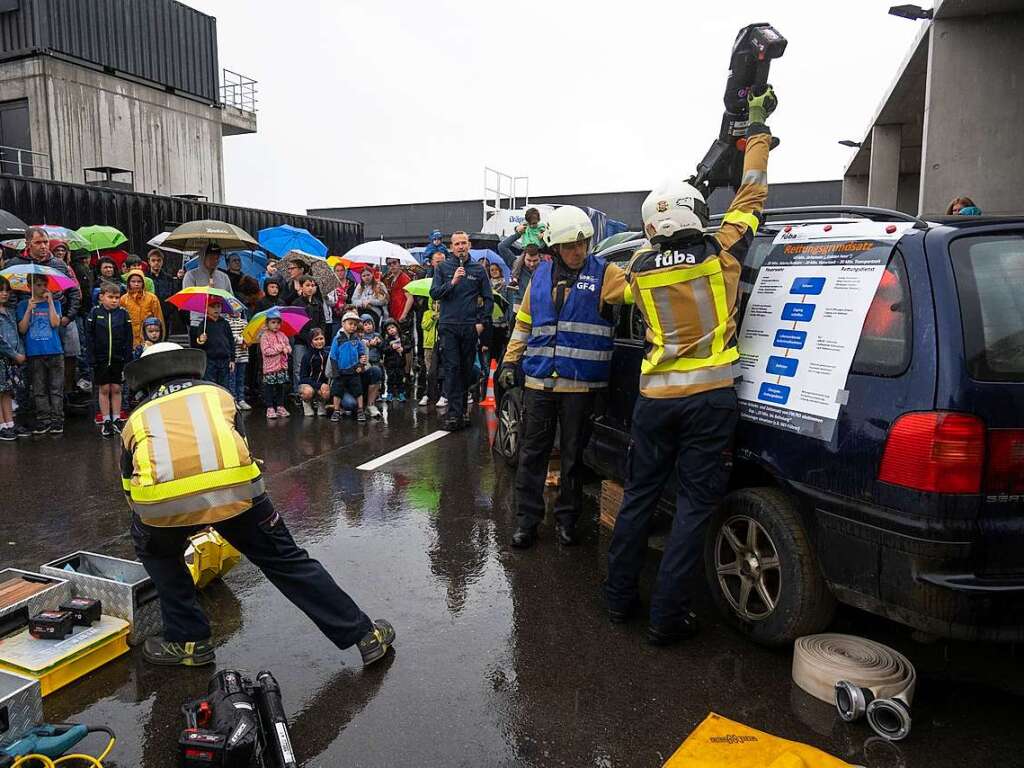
[(504, 658)]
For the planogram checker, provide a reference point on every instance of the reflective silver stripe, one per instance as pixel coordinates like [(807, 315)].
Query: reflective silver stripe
[(582, 354), (520, 335), (539, 352), (701, 288), (200, 502), (163, 464), (663, 306), (592, 328), (687, 378), (543, 330), (204, 437), (754, 176), (566, 384), (686, 350)]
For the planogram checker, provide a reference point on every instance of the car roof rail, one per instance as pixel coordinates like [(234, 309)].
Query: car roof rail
[(869, 212)]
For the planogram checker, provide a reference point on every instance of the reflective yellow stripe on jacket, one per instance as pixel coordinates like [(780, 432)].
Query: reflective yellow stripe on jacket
[(189, 464)]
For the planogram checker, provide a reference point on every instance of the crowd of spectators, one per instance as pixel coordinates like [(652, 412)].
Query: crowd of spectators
[(367, 340)]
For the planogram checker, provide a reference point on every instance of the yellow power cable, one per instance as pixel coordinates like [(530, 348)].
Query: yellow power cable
[(42, 761)]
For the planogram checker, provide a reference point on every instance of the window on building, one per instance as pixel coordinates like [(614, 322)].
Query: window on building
[(14, 135)]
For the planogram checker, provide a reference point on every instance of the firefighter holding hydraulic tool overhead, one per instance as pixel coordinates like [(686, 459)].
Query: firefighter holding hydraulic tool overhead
[(685, 285), (186, 465)]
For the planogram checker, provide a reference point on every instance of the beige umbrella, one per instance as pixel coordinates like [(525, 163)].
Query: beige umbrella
[(193, 235), (321, 271)]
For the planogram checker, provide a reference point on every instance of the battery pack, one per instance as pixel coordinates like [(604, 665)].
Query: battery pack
[(51, 625), (202, 749), (84, 610)]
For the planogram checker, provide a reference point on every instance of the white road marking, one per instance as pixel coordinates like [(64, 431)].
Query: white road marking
[(398, 452)]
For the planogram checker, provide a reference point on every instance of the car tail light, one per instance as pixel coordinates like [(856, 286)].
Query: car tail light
[(936, 451), (1005, 472)]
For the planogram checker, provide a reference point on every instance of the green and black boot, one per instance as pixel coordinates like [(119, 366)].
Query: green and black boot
[(167, 654), (374, 646)]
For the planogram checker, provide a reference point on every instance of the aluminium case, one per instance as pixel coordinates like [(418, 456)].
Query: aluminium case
[(123, 586), (21, 706)]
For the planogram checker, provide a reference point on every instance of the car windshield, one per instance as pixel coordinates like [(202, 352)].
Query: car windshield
[(989, 273)]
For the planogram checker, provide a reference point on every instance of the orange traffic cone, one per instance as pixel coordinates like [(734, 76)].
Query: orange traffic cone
[(488, 401), (492, 426)]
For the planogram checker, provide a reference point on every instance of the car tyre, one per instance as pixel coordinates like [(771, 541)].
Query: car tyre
[(510, 426), (762, 570)]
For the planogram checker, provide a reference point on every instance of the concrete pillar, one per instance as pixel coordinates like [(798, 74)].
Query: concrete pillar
[(974, 107), (855, 190), (884, 169)]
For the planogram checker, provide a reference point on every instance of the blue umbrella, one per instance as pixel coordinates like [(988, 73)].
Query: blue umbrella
[(254, 263), (280, 240), (493, 258)]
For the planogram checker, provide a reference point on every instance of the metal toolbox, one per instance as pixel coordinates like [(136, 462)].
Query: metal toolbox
[(123, 586), (21, 706), (15, 614)]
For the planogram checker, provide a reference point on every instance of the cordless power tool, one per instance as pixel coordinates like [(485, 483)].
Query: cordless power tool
[(752, 54)]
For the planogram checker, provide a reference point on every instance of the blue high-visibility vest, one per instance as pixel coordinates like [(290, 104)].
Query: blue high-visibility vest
[(577, 343)]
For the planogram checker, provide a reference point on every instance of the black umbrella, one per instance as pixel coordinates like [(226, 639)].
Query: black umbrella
[(11, 225)]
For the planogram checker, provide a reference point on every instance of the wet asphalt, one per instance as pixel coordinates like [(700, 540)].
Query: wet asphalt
[(503, 658)]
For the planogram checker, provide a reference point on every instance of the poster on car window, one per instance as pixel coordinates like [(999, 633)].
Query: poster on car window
[(803, 321)]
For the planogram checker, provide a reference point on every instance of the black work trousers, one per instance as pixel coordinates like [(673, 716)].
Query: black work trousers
[(261, 535), (546, 411), (689, 436), (458, 351)]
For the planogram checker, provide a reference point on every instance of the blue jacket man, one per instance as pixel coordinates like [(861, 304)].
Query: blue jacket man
[(463, 290)]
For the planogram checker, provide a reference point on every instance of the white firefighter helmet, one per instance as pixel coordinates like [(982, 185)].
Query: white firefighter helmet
[(164, 361), (567, 224), (672, 208)]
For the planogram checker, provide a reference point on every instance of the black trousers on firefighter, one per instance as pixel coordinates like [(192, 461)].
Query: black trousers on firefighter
[(570, 413), (458, 351), (261, 535), (688, 436)]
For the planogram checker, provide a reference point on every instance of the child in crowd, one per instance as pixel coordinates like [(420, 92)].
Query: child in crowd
[(140, 303), (310, 300), (107, 269), (108, 333), (238, 322), (394, 362), (275, 350), (436, 245), (348, 359), (39, 324), (152, 333), (12, 356), (214, 337), (271, 296), (534, 232), (374, 374), (314, 388), (429, 327)]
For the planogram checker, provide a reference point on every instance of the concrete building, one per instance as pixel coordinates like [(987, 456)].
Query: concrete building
[(411, 223), (949, 124), (118, 93)]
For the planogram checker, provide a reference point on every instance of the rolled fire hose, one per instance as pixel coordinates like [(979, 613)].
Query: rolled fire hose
[(859, 677)]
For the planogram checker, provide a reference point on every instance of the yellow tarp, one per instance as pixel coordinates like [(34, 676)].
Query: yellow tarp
[(719, 742)]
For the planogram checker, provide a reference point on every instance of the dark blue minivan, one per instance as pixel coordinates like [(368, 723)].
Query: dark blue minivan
[(915, 508)]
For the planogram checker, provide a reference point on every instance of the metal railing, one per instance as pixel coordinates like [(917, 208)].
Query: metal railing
[(24, 162), (238, 91), (503, 192)]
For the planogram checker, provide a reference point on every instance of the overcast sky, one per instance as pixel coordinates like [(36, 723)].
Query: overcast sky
[(408, 100)]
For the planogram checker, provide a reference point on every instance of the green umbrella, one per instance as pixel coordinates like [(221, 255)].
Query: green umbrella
[(101, 237), (419, 287)]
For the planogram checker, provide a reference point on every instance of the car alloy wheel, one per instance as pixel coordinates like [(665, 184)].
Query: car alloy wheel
[(509, 422), (748, 568)]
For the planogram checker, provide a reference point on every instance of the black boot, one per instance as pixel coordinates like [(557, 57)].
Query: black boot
[(524, 538)]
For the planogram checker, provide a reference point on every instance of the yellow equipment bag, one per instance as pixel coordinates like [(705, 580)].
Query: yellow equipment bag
[(719, 742), (209, 556)]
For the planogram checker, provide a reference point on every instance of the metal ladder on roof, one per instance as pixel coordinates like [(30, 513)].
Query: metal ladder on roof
[(503, 192)]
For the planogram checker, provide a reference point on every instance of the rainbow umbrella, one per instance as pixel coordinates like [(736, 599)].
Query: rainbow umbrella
[(74, 240), (20, 277), (197, 298), (292, 321)]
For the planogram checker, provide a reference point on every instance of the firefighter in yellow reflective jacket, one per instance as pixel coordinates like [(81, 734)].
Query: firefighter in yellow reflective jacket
[(564, 337), (186, 465), (685, 285)]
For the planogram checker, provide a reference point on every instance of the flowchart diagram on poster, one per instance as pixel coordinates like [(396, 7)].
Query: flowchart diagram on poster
[(803, 321)]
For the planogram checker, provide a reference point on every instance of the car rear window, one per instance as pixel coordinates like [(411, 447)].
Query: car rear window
[(989, 272)]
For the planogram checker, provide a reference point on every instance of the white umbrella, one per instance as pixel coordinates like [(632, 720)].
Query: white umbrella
[(379, 251), (158, 242)]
